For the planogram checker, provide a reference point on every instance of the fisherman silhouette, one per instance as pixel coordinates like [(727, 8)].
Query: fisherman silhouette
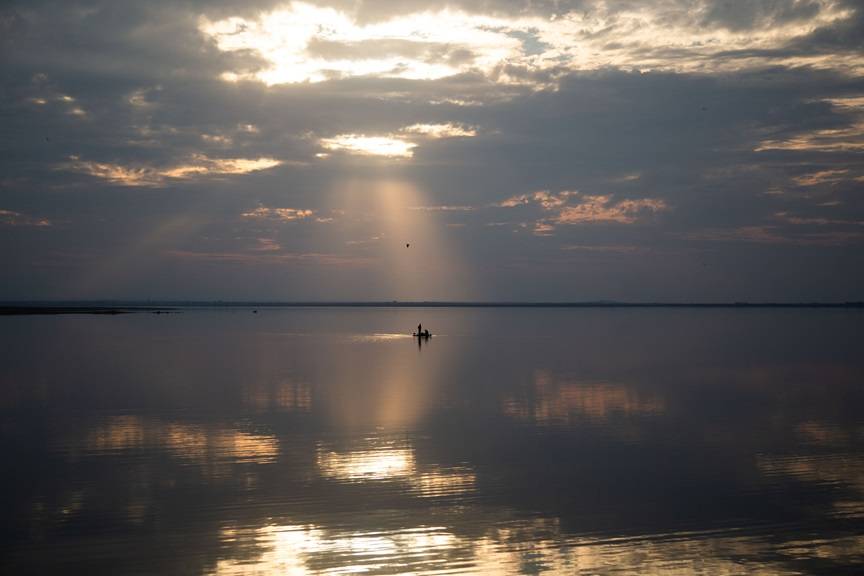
[(419, 329)]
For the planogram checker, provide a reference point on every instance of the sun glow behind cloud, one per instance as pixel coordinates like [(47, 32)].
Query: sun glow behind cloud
[(400, 144), (307, 43), (386, 146)]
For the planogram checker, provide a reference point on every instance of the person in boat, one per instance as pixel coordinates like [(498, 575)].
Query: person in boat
[(426, 333), (419, 329)]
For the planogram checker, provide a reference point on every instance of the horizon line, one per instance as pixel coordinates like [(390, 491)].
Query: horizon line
[(135, 303)]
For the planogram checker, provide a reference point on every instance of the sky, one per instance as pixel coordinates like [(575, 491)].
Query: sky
[(659, 150)]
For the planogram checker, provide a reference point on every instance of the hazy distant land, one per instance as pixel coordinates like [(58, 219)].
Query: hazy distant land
[(112, 308)]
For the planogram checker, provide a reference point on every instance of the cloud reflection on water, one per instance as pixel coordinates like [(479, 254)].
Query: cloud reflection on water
[(198, 444), (386, 459), (560, 401), (267, 446)]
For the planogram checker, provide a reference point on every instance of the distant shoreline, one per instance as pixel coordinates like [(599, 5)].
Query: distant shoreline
[(30, 310), (113, 308)]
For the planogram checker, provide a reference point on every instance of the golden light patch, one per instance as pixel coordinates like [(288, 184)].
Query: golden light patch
[(201, 164), (601, 209), (198, 165), (385, 146), (570, 207), (379, 463), (399, 144)]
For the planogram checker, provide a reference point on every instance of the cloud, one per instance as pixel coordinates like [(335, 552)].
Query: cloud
[(543, 198), (308, 43), (775, 235), (821, 177), (385, 146), (437, 131), (811, 221), (615, 249), (272, 254), (679, 121), (569, 207), (762, 13), (603, 209), (267, 245), (443, 208), (846, 139), (303, 42), (197, 166), (283, 214), (396, 144), (12, 218)]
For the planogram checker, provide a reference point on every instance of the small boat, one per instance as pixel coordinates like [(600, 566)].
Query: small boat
[(422, 334)]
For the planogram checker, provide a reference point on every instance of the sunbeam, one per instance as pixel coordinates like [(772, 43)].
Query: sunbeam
[(417, 259)]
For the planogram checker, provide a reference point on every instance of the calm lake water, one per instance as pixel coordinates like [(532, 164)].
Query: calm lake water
[(515, 441)]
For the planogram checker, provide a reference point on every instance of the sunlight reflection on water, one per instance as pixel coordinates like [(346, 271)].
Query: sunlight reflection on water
[(379, 337), (526, 442)]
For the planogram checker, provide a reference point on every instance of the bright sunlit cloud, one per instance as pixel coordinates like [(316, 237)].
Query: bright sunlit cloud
[(197, 165), (399, 144), (202, 165), (306, 43), (385, 146), (284, 214), (448, 130), (571, 207), (846, 139), (601, 209)]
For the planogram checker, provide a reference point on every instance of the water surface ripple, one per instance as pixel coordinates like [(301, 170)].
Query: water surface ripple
[(514, 441)]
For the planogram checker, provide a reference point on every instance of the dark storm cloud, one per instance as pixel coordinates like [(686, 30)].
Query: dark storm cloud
[(119, 132)]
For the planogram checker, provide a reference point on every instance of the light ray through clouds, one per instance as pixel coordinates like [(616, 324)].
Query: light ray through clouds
[(597, 149), (418, 261)]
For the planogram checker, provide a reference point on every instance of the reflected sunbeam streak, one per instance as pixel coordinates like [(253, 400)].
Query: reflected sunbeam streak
[(320, 441), (378, 459), (505, 547), (374, 464), (309, 549)]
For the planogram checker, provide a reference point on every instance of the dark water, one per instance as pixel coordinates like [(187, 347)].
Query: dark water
[(323, 441)]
